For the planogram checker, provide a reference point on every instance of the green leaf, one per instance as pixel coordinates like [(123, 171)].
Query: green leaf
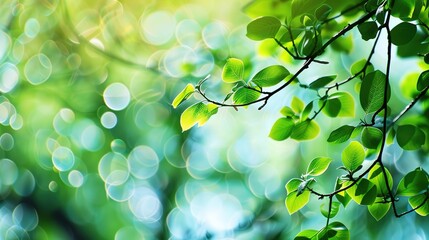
[(391, 136), (323, 12), (245, 95), (353, 156), (359, 65), (310, 43), (321, 82), (410, 137), (287, 111), (297, 105), (263, 28), (368, 30), (282, 129), (305, 130), (379, 210), (307, 111), (372, 91), (339, 104), (413, 183), (233, 70), (293, 184), (295, 32), (318, 166), (308, 234), (403, 33), (183, 95), (376, 177), (197, 113), (423, 80), (371, 137), (342, 197), (341, 134), (270, 76), (295, 202), (324, 209), (363, 193), (334, 231), (407, 9), (418, 200)]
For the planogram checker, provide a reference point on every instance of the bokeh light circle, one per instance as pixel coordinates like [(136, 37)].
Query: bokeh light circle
[(145, 205), (144, 162), (116, 96), (108, 120), (113, 168), (25, 217), (63, 158), (123, 192), (9, 77), (8, 172), (6, 141), (75, 178), (38, 69), (158, 27)]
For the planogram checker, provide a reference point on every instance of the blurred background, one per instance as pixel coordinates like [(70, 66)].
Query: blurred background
[(90, 147)]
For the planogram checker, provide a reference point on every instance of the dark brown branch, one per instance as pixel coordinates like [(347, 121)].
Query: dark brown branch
[(411, 104), (307, 63)]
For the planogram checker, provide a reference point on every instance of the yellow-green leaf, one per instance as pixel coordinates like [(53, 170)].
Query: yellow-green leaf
[(198, 113), (295, 202), (183, 95), (353, 155), (233, 70)]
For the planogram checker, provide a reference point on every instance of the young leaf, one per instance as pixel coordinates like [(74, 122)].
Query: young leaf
[(295, 202), (287, 112), (293, 184), (308, 234), (324, 209), (342, 197), (305, 130), (417, 200), (297, 105), (341, 134), (371, 137), (282, 128), (290, 34), (183, 95), (368, 30), (423, 80), (376, 176), (372, 91), (233, 70), (413, 183), (353, 156), (359, 65), (197, 113), (270, 76), (335, 230), (410, 137), (403, 33), (318, 166), (263, 28), (379, 210), (363, 193), (323, 12), (307, 111), (321, 82), (245, 95), (339, 104)]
